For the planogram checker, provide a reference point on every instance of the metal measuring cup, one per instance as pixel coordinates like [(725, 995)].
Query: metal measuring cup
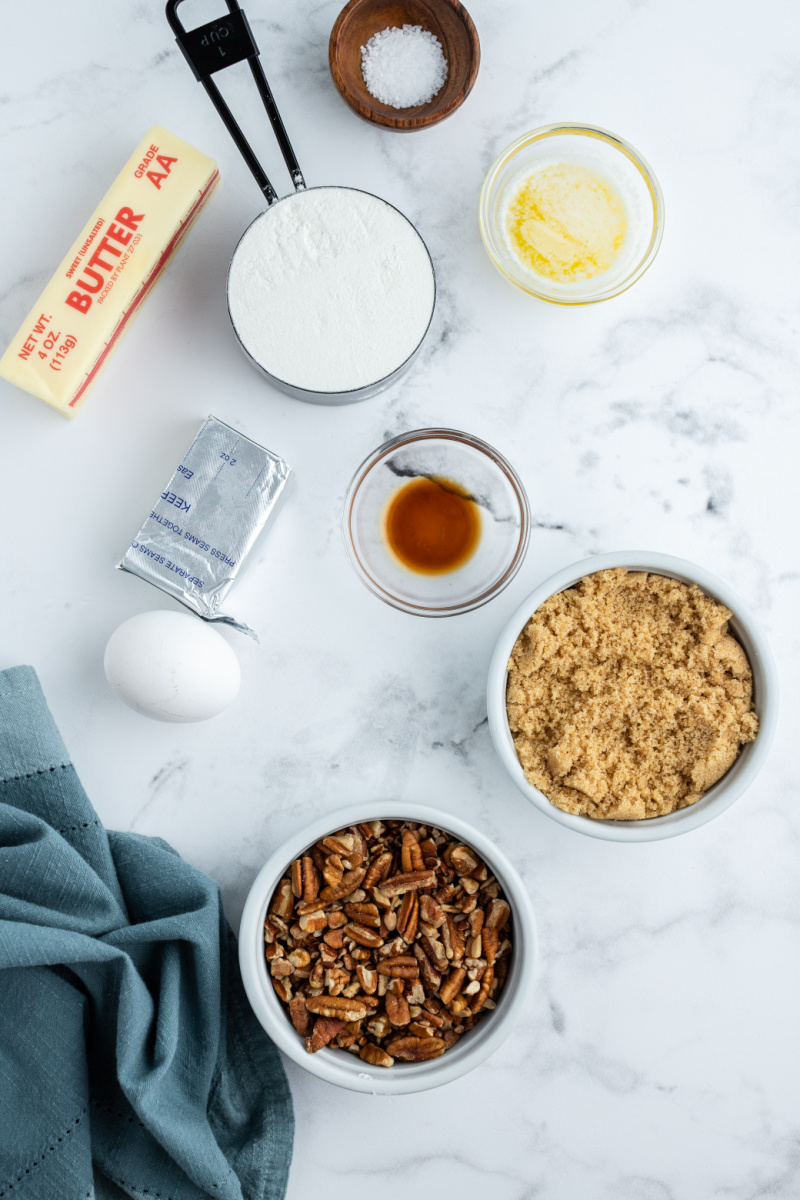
[(211, 48)]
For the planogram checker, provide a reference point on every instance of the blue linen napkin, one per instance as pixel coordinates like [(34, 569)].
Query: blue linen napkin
[(128, 1050)]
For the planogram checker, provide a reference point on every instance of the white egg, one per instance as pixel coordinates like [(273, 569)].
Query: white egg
[(172, 667)]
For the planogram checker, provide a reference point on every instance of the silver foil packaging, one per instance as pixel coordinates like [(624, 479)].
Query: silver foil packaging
[(200, 530)]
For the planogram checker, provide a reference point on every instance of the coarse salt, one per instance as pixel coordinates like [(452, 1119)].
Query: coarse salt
[(403, 67)]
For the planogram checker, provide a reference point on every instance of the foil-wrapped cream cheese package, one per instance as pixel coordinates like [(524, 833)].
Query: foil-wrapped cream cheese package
[(200, 530)]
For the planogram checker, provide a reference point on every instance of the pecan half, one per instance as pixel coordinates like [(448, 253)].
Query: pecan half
[(364, 914), (349, 883), (402, 966), (452, 985), (363, 936), (345, 1008), (416, 1049), (407, 882), (408, 916), (305, 880), (483, 995), (397, 1009), (379, 867), (410, 853), (489, 941)]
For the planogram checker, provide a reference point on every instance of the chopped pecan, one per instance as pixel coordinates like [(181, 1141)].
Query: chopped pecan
[(430, 855), (283, 989), (435, 952), (415, 992), (368, 979), (333, 870), (301, 1017), (431, 912), (325, 1028), (375, 1056), (336, 980), (430, 976), (379, 1026), (463, 860), (283, 900), (341, 845), (313, 922), (497, 915)]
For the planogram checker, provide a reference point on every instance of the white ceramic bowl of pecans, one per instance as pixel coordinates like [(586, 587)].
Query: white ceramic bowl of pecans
[(349, 998)]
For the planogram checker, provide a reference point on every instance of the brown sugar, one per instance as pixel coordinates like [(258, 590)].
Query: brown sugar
[(628, 697)]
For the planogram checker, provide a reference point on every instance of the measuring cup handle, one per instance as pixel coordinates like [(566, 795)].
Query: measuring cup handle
[(219, 44)]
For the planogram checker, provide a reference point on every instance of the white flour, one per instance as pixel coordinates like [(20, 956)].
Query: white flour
[(331, 289)]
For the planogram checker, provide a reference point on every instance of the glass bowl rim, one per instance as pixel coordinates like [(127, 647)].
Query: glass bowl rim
[(617, 143), (421, 435)]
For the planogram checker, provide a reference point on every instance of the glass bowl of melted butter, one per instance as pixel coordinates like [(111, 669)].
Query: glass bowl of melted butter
[(572, 214), (436, 522)]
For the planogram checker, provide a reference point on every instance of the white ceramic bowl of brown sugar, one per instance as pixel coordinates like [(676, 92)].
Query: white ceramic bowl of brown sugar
[(346, 1068), (744, 629)]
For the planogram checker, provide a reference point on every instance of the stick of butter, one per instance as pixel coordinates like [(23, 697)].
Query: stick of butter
[(70, 333)]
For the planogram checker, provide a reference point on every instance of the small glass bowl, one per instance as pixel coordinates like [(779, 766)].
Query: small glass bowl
[(611, 157), (491, 481)]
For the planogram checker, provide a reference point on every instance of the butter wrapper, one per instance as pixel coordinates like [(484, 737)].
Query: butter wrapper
[(200, 530), (70, 333)]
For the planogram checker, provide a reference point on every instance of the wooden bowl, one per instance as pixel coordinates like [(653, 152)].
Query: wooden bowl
[(448, 20)]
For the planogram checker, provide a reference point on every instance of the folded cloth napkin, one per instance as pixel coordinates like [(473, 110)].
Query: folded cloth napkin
[(130, 1060)]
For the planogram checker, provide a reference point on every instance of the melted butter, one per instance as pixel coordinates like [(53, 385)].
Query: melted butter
[(565, 222)]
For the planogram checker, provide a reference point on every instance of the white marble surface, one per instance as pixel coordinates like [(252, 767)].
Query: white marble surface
[(659, 1059)]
